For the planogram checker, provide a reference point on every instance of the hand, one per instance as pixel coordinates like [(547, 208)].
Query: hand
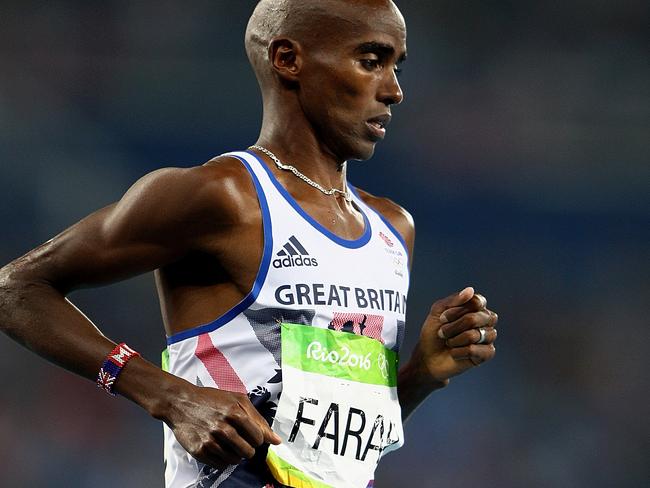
[(218, 427), (448, 340)]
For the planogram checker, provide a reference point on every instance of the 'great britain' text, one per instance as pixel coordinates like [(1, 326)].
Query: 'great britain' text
[(341, 296)]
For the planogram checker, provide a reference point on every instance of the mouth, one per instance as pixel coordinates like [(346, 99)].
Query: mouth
[(378, 125)]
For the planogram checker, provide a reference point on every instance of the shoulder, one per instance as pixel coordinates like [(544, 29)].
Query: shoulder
[(214, 194), (224, 177), (395, 214)]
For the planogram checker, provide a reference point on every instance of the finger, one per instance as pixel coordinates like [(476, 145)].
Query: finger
[(213, 454), (454, 300), (247, 427), (476, 353), (495, 318), (468, 321), (222, 454), (476, 303), (268, 434), (472, 336), (230, 439)]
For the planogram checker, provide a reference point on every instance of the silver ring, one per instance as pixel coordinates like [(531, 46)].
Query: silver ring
[(483, 336)]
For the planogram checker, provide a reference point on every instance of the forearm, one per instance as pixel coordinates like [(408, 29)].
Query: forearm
[(414, 385), (38, 316)]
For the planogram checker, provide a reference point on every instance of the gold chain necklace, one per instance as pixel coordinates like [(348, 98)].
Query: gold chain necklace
[(287, 167)]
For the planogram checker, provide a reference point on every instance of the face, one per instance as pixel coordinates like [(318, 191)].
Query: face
[(349, 81)]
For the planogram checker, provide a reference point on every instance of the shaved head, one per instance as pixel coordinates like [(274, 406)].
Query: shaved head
[(327, 70), (309, 22)]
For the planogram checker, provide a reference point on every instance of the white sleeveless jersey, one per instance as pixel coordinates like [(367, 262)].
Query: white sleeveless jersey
[(307, 275)]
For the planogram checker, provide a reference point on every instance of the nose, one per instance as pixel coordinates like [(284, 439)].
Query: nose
[(390, 92)]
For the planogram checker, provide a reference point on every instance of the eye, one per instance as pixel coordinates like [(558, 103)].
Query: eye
[(397, 71), (370, 64)]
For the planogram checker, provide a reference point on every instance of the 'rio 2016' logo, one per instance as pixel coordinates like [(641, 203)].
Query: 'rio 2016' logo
[(344, 358)]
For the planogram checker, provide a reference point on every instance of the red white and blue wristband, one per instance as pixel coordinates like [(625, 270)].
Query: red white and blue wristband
[(113, 365)]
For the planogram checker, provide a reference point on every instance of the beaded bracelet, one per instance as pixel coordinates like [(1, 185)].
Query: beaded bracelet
[(113, 365)]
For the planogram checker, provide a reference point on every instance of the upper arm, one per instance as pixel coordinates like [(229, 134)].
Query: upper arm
[(163, 216), (397, 216)]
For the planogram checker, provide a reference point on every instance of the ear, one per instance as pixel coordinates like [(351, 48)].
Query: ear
[(286, 59)]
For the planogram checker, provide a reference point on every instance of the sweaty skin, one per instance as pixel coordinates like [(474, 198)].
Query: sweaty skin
[(328, 85)]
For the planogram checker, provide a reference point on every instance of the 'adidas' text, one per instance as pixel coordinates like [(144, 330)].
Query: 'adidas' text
[(290, 261), (293, 254)]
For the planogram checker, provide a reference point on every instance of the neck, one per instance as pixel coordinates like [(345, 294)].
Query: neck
[(287, 167), (287, 133)]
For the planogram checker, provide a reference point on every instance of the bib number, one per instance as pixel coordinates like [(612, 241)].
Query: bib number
[(338, 412)]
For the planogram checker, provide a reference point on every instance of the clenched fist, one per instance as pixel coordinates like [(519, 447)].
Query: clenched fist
[(217, 427)]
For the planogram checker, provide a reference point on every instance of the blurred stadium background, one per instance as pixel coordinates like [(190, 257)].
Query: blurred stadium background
[(522, 150)]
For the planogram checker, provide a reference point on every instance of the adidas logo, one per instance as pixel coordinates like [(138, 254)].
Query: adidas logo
[(293, 254)]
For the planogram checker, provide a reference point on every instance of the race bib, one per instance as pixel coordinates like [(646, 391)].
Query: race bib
[(338, 411)]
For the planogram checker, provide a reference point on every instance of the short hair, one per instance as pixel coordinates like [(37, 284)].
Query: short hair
[(297, 19)]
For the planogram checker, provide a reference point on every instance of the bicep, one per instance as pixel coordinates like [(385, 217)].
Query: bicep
[(141, 232), (89, 253)]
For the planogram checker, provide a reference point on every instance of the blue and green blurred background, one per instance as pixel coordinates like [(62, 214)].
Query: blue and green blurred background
[(522, 150)]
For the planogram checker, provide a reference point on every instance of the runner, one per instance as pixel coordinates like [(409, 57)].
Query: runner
[(283, 287)]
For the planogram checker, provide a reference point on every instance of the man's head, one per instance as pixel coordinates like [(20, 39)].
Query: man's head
[(334, 63)]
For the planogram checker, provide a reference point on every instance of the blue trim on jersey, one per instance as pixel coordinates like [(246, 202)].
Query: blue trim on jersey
[(398, 235), (350, 244), (249, 299)]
